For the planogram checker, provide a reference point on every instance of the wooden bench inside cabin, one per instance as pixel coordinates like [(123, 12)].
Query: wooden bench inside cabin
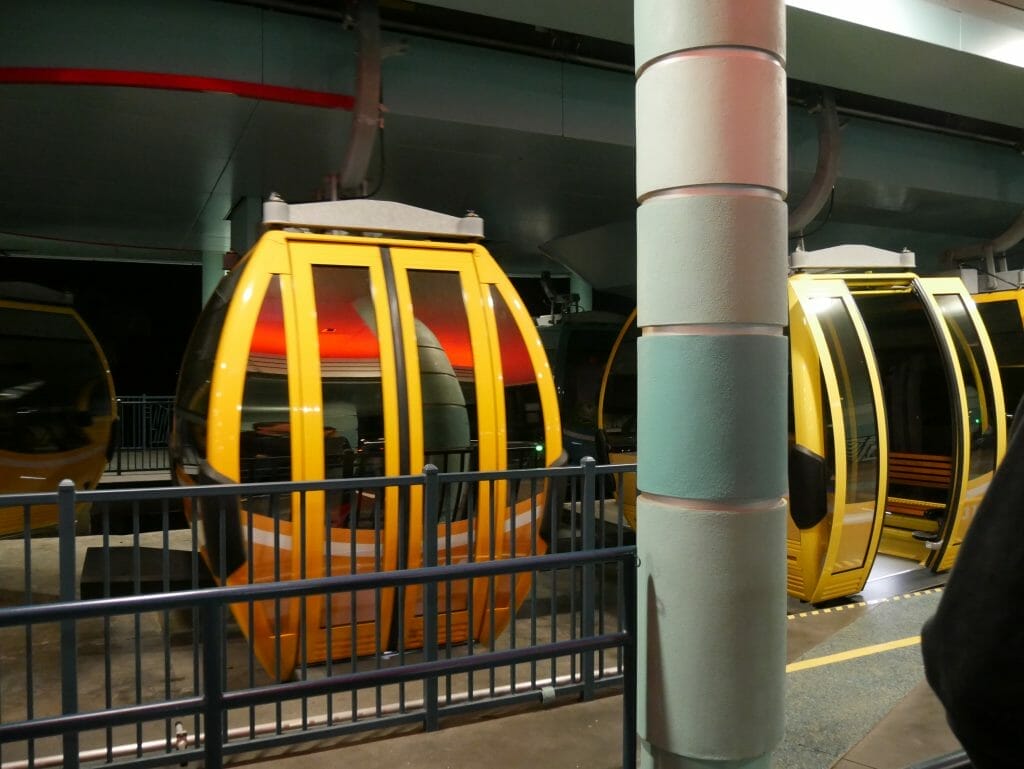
[(917, 471)]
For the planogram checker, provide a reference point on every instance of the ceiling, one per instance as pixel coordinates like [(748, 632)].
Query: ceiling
[(521, 112)]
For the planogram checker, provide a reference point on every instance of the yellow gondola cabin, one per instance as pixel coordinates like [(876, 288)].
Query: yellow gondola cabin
[(347, 356), (895, 417)]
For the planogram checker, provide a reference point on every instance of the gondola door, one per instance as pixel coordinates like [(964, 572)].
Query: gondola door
[(347, 398), (528, 436), (1002, 313), (837, 438), (980, 428), (445, 354)]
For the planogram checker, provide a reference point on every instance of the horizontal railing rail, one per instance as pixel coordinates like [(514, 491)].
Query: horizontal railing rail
[(579, 609), (215, 702)]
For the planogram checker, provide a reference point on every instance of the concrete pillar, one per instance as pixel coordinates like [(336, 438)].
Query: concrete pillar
[(583, 290), (246, 219), (711, 296), (213, 271)]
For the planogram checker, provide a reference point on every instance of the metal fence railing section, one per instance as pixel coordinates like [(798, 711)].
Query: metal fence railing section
[(124, 648), (143, 434)]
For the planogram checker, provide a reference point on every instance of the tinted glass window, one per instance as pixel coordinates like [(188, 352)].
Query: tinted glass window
[(981, 413), (353, 400), (265, 439), (524, 418), (1003, 323), (447, 376), (620, 396), (856, 399), (913, 371), (857, 412), (188, 446), (52, 382)]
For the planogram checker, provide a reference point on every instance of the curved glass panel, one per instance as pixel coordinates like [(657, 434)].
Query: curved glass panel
[(856, 408), (353, 399), (191, 404), (52, 382), (447, 372), (620, 397), (524, 417), (265, 440), (1006, 331), (981, 412)]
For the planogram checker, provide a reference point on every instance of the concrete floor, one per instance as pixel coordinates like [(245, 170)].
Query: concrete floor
[(855, 697), (842, 712)]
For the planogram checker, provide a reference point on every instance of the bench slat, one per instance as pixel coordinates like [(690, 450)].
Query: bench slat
[(924, 470)]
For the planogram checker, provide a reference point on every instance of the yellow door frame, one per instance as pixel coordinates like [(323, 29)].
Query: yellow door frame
[(815, 574)]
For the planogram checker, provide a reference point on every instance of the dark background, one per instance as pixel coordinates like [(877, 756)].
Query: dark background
[(142, 314)]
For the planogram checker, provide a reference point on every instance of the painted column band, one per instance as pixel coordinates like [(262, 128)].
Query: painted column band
[(694, 564), (710, 269), (731, 140), (715, 422)]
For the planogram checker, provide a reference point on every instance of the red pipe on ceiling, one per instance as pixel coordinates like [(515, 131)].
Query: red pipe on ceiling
[(172, 82)]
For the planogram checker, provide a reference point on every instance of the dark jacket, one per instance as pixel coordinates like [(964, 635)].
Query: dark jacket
[(974, 645)]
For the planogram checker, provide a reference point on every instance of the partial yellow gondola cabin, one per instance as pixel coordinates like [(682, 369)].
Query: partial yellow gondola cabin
[(351, 356), (1003, 314), (895, 416), (57, 407)]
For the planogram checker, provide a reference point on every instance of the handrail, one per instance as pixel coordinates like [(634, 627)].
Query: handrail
[(210, 700), (215, 701)]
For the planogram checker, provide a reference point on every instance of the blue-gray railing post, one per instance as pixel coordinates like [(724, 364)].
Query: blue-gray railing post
[(589, 572), (629, 671), (68, 630), (213, 690), (431, 500), (121, 426), (144, 430)]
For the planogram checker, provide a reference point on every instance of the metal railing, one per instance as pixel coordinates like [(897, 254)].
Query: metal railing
[(144, 430), (135, 680)]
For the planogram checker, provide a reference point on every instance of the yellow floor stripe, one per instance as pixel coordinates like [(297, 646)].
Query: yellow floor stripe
[(864, 651), (862, 604)]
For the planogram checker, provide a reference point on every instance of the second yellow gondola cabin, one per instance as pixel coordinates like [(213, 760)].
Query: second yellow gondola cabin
[(1002, 311), (895, 417), (58, 413), (325, 355)]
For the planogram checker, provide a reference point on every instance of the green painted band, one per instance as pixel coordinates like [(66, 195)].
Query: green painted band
[(712, 416)]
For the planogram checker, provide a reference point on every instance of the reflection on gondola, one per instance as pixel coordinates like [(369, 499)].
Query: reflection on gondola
[(578, 344), (57, 406), (325, 356), (616, 412), (895, 419)]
